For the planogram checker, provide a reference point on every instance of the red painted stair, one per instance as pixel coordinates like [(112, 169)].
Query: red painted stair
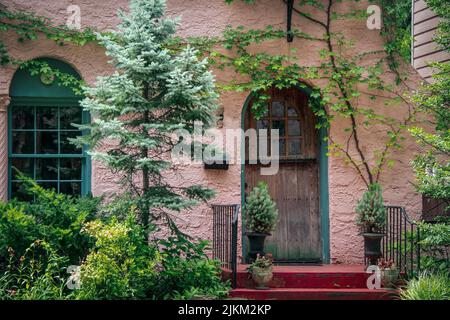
[(336, 282)]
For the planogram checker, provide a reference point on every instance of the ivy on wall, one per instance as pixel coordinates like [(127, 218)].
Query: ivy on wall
[(347, 78)]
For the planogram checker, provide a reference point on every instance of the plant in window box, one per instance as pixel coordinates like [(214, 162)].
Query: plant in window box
[(261, 214), (371, 220), (262, 270), (389, 273)]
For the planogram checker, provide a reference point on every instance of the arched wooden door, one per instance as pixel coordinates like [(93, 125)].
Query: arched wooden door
[(295, 188)]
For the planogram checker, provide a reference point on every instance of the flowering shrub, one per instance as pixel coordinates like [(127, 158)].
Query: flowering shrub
[(121, 265)]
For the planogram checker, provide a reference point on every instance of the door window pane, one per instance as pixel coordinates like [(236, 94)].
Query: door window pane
[(277, 109), (23, 142), (293, 127), (292, 112), (262, 124), (294, 147), (280, 125), (47, 142)]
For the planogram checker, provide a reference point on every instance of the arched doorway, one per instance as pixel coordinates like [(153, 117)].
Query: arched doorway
[(300, 187), (40, 125)]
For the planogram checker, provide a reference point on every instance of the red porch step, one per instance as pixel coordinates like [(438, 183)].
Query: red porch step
[(331, 282), (313, 294)]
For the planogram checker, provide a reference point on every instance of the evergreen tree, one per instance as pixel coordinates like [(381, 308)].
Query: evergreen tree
[(261, 210), (152, 93)]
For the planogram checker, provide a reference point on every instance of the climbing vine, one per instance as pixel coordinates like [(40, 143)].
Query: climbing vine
[(28, 26), (347, 77)]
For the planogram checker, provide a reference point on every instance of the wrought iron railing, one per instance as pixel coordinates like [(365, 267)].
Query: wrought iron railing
[(225, 232), (401, 243)]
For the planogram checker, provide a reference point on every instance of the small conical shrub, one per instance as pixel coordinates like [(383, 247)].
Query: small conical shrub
[(371, 210), (262, 212)]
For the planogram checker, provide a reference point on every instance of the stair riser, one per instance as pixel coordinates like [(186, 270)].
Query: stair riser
[(308, 280), (270, 295)]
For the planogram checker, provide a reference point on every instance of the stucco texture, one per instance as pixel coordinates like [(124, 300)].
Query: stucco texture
[(209, 18)]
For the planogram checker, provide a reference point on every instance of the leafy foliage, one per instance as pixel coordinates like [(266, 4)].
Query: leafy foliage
[(121, 265), (37, 275), (435, 246), (40, 239), (261, 210), (427, 287), (28, 26), (433, 166), (371, 211), (442, 8), (53, 218), (186, 272), (396, 29)]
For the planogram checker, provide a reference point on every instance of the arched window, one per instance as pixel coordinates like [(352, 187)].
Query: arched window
[(41, 118)]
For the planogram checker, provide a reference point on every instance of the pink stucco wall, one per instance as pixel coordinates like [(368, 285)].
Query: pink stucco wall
[(209, 17)]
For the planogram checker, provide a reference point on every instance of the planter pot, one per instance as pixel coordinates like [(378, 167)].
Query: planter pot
[(262, 276), (389, 278), (372, 246), (256, 243)]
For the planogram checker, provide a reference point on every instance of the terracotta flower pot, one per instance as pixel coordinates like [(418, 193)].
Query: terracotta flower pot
[(262, 276), (389, 278)]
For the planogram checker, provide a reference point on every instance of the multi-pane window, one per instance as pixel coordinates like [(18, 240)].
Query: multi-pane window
[(287, 120), (40, 148)]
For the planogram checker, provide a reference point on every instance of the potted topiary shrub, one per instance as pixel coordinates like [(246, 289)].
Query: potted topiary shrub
[(262, 271), (371, 221), (261, 218)]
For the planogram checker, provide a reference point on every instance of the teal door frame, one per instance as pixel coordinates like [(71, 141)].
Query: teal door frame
[(323, 184)]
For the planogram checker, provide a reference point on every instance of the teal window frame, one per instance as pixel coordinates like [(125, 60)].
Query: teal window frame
[(37, 102)]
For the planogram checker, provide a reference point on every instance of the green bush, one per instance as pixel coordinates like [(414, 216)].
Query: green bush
[(52, 217), (371, 211), (261, 211), (435, 246), (40, 239), (186, 272), (427, 287), (121, 264)]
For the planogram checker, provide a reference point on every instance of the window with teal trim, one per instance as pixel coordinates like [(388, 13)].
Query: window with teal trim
[(40, 148)]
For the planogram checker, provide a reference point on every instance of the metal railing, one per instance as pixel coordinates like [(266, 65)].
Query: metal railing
[(401, 242), (225, 232)]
